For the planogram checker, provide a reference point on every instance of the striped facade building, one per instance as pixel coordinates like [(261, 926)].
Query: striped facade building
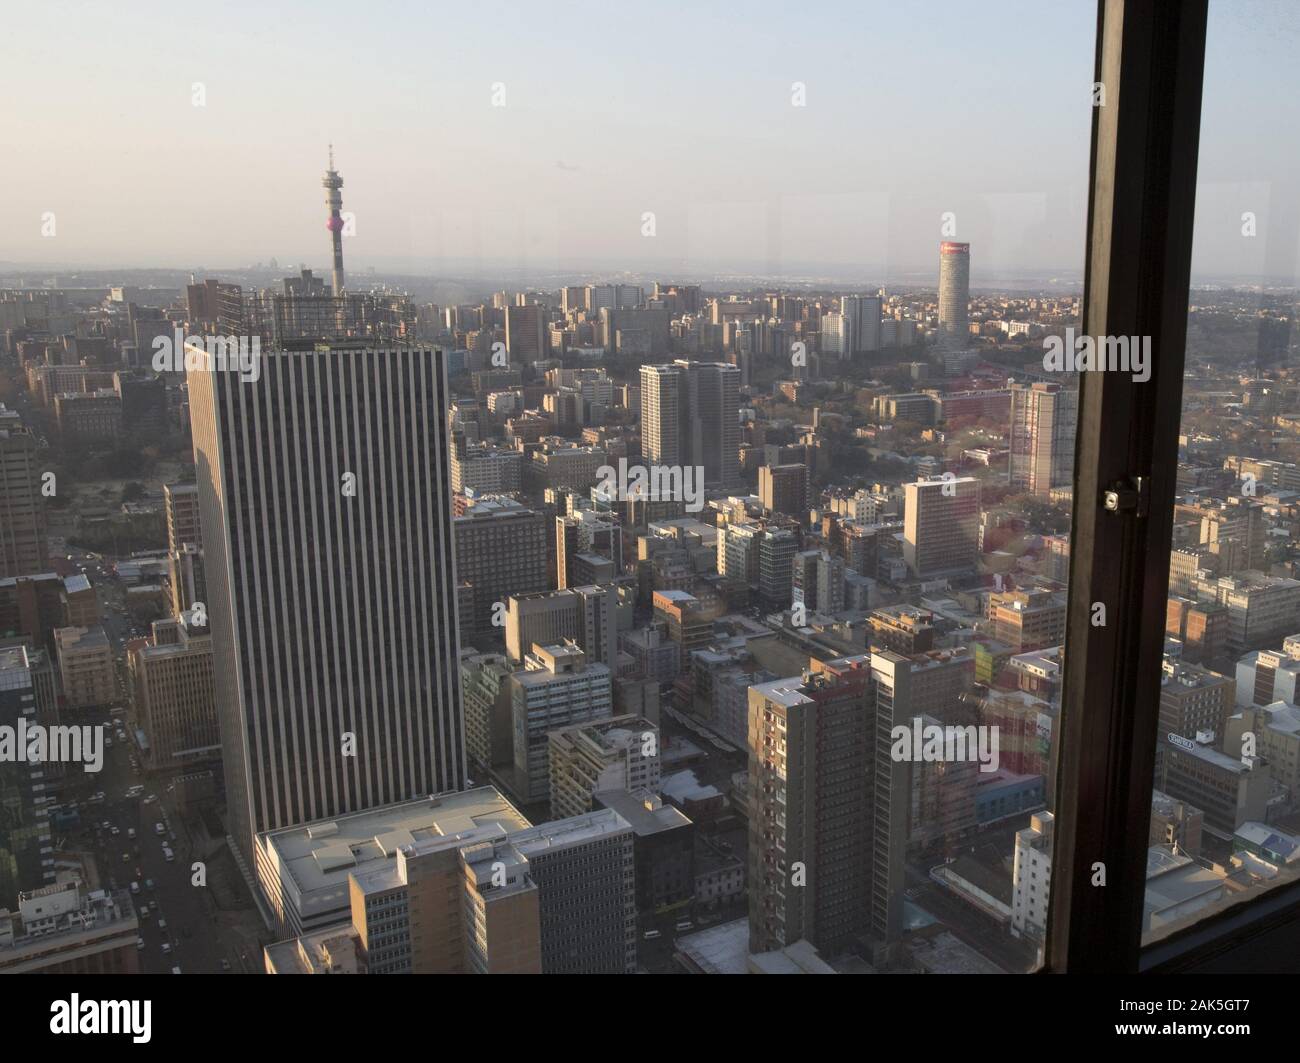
[(324, 493)]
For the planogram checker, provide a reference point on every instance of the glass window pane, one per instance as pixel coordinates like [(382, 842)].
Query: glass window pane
[(1225, 824)]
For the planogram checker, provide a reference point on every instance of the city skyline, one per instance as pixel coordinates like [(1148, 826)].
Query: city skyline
[(659, 500)]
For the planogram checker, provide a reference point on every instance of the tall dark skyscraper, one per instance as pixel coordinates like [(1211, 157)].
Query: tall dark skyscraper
[(689, 416), (324, 493)]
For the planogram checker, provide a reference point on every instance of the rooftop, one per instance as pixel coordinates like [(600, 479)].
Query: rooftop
[(643, 811), (315, 859)]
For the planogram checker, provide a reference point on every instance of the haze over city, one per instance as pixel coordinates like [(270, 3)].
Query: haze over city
[(605, 116)]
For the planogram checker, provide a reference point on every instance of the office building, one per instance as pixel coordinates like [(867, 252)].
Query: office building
[(1276, 731), (1266, 676), (584, 871), (690, 417), (332, 581), (1202, 628), (687, 620), (69, 929), (23, 549), (777, 547), (525, 333), (663, 849), (784, 489), (941, 526), (303, 870), (173, 692), (1229, 789), (1028, 620), (661, 400), (1234, 534), (26, 847), (1044, 419), (1031, 877), (1261, 609), (1194, 700), (862, 316), (501, 549), (489, 727), (588, 548), (86, 666), (556, 688), (903, 629), (484, 470), (810, 825), (616, 753)]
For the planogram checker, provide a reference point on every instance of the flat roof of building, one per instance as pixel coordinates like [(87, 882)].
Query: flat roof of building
[(316, 858), (721, 949), (643, 811)]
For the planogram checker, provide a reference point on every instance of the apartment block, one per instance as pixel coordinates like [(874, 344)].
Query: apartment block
[(501, 549), (941, 526), (557, 688), (173, 687), (86, 666), (1194, 700), (617, 753), (811, 740)]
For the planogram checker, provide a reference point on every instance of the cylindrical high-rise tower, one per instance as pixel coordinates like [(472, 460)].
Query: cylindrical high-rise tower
[(332, 183), (954, 290)]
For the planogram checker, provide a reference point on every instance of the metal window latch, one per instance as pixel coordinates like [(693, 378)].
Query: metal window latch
[(1128, 497)]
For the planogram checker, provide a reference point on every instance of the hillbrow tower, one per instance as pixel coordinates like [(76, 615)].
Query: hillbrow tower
[(333, 183)]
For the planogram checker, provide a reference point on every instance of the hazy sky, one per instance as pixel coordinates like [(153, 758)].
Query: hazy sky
[(611, 110)]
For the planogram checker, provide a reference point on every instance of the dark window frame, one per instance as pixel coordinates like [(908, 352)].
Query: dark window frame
[(1150, 58)]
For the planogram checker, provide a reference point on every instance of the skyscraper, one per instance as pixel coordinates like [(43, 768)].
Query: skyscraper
[(23, 549), (25, 842), (661, 441), (810, 745), (1043, 422), (690, 416), (941, 526), (525, 333), (713, 420), (324, 496), (862, 314), (501, 549), (556, 688), (954, 291), (784, 489)]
